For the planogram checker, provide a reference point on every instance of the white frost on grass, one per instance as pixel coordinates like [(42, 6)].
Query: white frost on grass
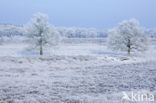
[(72, 76), (38, 79)]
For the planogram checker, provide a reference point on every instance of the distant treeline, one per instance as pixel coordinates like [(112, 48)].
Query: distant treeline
[(9, 30), (81, 32)]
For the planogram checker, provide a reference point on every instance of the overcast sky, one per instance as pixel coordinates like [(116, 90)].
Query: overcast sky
[(80, 13)]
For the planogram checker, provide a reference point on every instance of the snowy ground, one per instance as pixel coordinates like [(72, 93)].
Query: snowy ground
[(85, 72)]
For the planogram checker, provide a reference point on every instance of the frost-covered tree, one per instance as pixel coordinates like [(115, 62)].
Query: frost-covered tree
[(128, 36), (40, 33)]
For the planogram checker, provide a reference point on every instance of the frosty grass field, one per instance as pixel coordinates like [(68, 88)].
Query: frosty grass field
[(78, 71)]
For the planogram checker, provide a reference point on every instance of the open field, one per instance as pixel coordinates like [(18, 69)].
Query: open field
[(85, 72)]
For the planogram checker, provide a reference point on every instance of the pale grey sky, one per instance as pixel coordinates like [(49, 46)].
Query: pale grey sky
[(80, 13)]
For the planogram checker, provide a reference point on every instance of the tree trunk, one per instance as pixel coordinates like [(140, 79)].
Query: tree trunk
[(41, 44), (129, 46), (129, 51), (41, 49)]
